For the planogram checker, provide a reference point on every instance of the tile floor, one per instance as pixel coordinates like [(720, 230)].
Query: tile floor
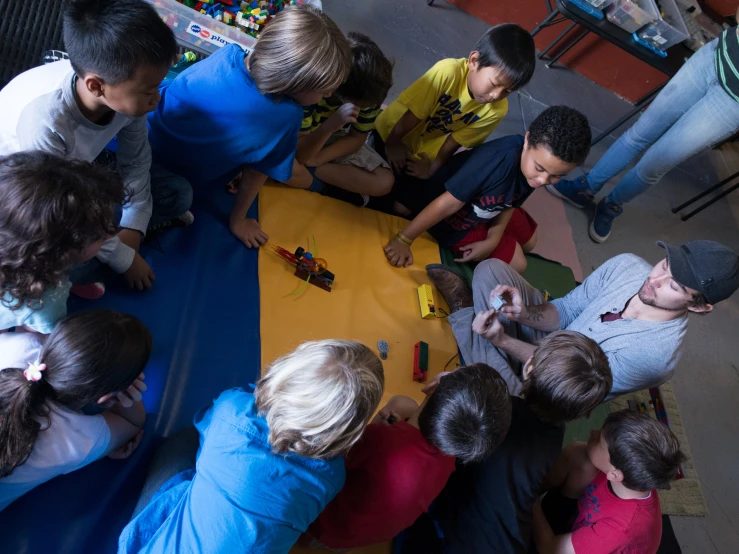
[(707, 379)]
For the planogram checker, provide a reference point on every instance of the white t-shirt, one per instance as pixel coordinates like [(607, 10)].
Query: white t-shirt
[(71, 441)]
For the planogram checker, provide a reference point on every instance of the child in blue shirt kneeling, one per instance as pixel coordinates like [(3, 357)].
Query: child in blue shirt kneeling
[(268, 462), (232, 113)]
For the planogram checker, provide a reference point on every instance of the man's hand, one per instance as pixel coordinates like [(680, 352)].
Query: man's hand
[(487, 325), (475, 252), (514, 310), (418, 167), (139, 276), (397, 156), (347, 113), (125, 450), (398, 254), (249, 232), (131, 238)]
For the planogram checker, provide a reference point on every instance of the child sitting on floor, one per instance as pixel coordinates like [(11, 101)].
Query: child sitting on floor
[(615, 475), (333, 159), (119, 52), (473, 205), (486, 507), (406, 455), (92, 358), (268, 462), (54, 213), (234, 113), (458, 102)]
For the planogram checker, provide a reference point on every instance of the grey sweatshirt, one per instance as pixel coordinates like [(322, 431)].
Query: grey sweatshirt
[(642, 354), (39, 112)]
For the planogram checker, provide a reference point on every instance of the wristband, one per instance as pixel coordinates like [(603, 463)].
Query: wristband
[(402, 238)]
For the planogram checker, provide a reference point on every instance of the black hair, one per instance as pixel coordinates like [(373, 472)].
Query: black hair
[(643, 449), (114, 38), (564, 131), (469, 413), (88, 354), (371, 75), (511, 49)]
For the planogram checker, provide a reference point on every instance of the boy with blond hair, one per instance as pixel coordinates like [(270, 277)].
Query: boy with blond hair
[(267, 462)]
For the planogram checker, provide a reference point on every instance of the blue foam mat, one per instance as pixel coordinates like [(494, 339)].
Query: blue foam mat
[(204, 315)]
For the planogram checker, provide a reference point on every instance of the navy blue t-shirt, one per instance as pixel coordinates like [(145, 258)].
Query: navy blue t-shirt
[(486, 507), (487, 178), (212, 120)]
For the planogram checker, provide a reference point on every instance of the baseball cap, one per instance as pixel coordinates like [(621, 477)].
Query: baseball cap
[(706, 266)]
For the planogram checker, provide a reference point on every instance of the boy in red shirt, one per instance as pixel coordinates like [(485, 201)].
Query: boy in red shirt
[(615, 474), (405, 456)]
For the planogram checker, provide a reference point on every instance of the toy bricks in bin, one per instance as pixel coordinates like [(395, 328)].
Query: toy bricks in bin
[(420, 361)]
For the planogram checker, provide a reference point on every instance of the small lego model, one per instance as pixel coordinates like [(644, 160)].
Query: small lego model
[(383, 347), (426, 302), (497, 303), (312, 270), (420, 361)]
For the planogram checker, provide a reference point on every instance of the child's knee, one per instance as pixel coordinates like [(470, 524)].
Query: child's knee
[(301, 179), (385, 181), (530, 244)]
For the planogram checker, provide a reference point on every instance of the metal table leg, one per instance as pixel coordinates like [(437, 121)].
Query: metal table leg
[(545, 23), (711, 201), (567, 48), (556, 40)]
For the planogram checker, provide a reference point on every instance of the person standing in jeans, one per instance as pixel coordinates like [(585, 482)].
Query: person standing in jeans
[(698, 108)]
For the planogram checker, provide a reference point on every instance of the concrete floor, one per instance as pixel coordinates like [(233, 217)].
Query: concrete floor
[(707, 379)]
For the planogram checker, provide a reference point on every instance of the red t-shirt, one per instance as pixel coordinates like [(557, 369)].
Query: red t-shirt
[(606, 523), (392, 476)]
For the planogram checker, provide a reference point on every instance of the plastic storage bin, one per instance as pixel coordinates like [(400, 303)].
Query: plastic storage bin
[(668, 30), (632, 15), (199, 32), (593, 7)]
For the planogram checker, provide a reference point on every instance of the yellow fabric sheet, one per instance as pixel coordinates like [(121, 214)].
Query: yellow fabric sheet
[(370, 300)]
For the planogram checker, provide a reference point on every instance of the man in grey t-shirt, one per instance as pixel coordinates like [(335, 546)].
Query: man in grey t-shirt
[(636, 312)]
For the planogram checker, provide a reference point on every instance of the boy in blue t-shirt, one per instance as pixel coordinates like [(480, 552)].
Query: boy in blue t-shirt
[(473, 205), (234, 113)]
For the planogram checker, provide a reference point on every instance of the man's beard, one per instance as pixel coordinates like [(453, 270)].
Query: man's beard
[(653, 300)]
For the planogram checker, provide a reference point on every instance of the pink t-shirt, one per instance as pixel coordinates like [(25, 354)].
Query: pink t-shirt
[(605, 523)]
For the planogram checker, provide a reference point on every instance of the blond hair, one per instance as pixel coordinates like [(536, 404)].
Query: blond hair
[(318, 399), (301, 50)]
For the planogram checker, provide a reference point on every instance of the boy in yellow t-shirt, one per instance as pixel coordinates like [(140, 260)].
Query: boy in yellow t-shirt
[(458, 102)]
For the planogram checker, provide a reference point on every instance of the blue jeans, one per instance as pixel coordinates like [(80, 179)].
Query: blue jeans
[(689, 115), (171, 197)]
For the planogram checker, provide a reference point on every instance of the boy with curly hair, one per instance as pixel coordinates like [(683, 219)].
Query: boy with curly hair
[(473, 205)]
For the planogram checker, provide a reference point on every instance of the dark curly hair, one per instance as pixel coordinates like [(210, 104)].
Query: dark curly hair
[(371, 75), (564, 131), (51, 209)]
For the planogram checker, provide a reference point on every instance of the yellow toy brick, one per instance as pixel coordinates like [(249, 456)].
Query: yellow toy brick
[(426, 302)]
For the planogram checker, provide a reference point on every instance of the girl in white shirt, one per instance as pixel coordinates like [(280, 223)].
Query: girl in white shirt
[(90, 358)]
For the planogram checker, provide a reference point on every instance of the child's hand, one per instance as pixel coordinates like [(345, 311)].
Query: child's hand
[(418, 167), (347, 113), (249, 232), (399, 407), (487, 325), (139, 276), (514, 309), (125, 398), (398, 254), (475, 252), (125, 450), (430, 387), (397, 156)]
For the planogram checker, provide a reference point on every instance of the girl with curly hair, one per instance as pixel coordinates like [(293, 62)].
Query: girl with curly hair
[(54, 213)]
